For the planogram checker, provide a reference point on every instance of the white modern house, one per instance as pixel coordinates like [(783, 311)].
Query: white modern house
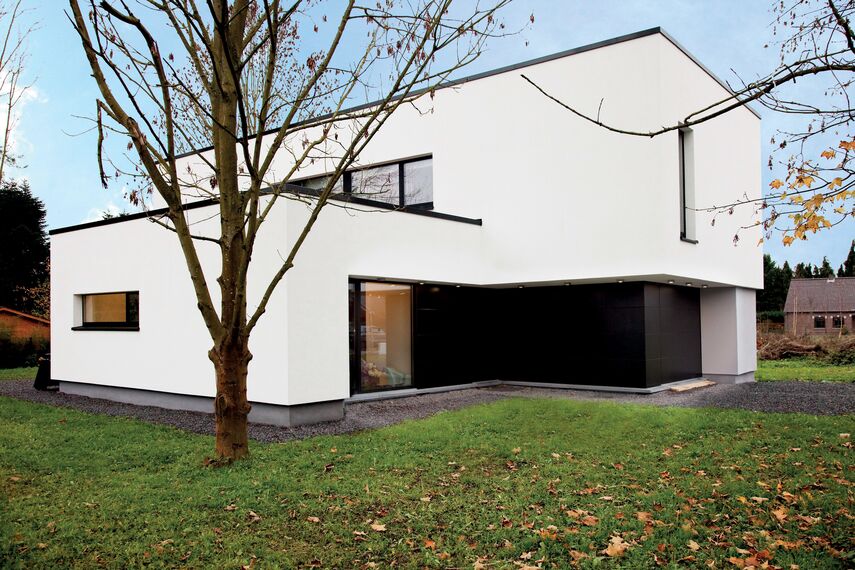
[(516, 243)]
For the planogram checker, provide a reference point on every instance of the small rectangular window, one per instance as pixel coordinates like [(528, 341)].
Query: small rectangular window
[(319, 183), (380, 183), (819, 322), (837, 322), (686, 141), (418, 182), (111, 309)]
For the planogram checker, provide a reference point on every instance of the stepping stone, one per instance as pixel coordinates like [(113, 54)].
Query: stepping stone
[(702, 383)]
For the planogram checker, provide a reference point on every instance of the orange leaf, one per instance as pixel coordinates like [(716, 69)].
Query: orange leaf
[(617, 547)]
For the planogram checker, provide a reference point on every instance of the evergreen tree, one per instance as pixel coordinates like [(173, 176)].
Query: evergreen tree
[(776, 283), (840, 272), (849, 264), (24, 250), (802, 271), (825, 270)]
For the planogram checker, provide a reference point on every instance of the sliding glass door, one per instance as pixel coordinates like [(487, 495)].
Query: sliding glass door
[(381, 335)]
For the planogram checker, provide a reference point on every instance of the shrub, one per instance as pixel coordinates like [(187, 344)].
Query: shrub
[(15, 353), (770, 316)]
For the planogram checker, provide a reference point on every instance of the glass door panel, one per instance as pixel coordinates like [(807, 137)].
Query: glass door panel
[(386, 355)]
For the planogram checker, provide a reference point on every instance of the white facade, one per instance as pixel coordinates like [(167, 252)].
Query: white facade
[(560, 200)]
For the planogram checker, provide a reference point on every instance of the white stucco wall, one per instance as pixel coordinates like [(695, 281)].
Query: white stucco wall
[(560, 200)]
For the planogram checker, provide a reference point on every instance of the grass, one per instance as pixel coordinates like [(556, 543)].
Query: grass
[(803, 369), (25, 373), (537, 482)]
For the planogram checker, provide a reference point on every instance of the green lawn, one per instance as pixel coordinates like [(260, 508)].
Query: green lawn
[(803, 369), (28, 373), (514, 483)]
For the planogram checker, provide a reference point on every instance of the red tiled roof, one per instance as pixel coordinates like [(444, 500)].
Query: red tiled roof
[(24, 315), (821, 296)]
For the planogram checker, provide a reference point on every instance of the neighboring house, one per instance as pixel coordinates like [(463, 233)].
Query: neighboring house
[(820, 306), (22, 327), (520, 244)]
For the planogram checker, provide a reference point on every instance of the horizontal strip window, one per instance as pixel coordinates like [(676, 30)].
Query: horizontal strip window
[(110, 311), (407, 183)]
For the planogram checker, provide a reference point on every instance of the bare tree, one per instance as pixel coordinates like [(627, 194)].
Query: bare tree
[(817, 56), (254, 66), (14, 32)]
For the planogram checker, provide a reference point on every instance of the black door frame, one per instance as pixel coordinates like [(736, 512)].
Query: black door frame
[(357, 318)]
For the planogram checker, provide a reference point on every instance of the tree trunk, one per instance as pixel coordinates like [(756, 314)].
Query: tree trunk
[(231, 408)]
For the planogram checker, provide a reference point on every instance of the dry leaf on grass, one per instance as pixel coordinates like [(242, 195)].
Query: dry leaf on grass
[(617, 547)]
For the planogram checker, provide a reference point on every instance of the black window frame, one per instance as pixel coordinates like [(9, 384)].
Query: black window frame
[(128, 324), (837, 322), (347, 184), (817, 319)]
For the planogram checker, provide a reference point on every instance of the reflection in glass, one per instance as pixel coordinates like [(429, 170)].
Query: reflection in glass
[(418, 182), (379, 183), (111, 308), (386, 351)]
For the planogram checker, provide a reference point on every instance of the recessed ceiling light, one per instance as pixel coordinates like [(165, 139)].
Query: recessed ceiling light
[(704, 285), (421, 282), (670, 281), (457, 285), (520, 286), (620, 280), (567, 284), (688, 283)]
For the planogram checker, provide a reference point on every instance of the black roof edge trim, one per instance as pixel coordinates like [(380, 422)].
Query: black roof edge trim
[(505, 69), (697, 62), (290, 188)]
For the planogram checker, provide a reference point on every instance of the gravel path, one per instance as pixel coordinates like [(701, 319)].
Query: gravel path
[(806, 397)]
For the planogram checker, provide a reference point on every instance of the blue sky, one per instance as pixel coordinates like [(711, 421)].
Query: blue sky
[(726, 35)]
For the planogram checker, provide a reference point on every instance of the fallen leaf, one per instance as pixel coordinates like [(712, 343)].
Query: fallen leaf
[(694, 546), (516, 450), (253, 517), (430, 544), (844, 436), (230, 508), (589, 520), (14, 478), (643, 516), (41, 545), (313, 519), (780, 514), (378, 527), (617, 547)]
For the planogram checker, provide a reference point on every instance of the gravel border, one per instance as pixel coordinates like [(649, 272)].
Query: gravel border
[(804, 397)]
